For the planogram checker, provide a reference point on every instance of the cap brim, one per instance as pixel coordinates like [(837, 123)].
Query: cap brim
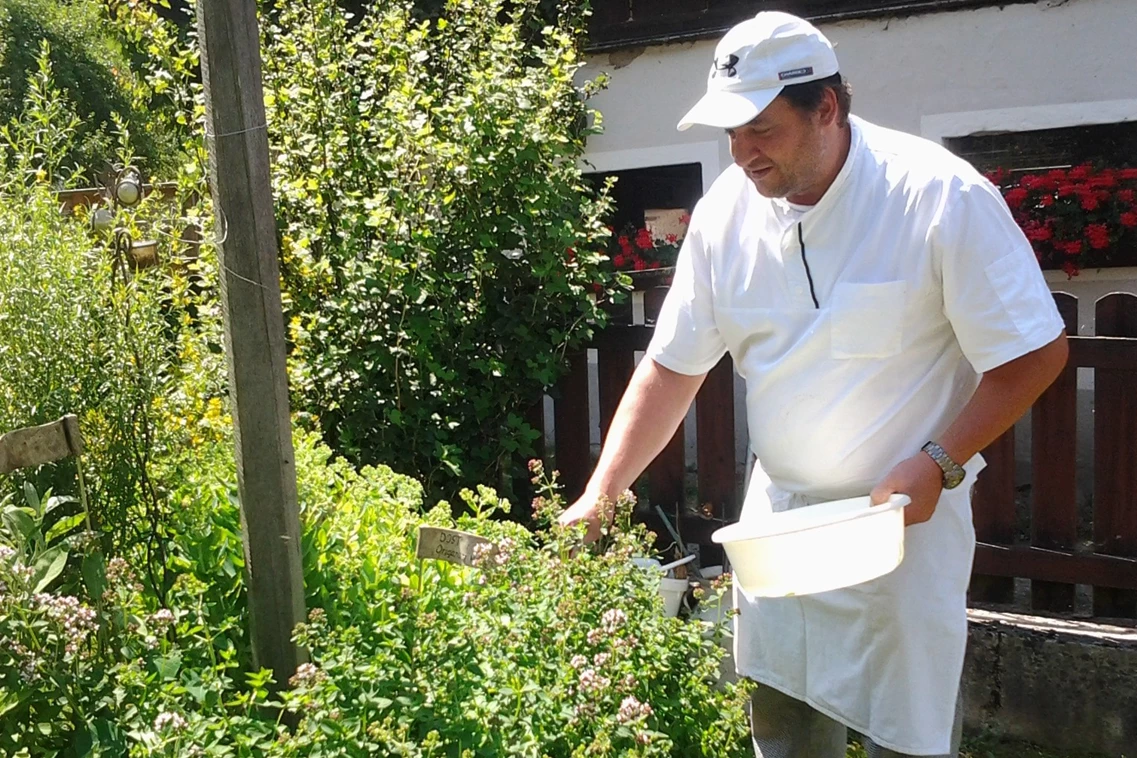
[(728, 110)]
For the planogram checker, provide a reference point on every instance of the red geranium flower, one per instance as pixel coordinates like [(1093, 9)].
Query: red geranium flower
[(1046, 200), (1104, 179), (644, 240), (625, 245), (1089, 202), (1129, 219), (1127, 173), (1073, 247), (1036, 232), (1098, 235), (1080, 173), (1070, 269), (685, 219), (641, 264), (1016, 197), (1126, 195)]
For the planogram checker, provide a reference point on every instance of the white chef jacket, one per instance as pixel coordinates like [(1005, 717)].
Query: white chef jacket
[(860, 327)]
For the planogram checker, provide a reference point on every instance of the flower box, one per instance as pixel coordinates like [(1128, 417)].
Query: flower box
[(1082, 217)]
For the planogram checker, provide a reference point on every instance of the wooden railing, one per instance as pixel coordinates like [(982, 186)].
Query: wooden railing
[(1044, 539)]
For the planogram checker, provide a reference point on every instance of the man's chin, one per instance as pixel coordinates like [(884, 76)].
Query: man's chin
[(765, 189)]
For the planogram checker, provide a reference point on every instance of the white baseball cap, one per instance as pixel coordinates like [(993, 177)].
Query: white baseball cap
[(753, 62)]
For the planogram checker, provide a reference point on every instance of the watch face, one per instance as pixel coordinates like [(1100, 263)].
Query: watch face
[(953, 480)]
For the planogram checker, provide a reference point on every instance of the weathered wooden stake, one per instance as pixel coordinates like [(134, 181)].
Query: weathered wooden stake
[(254, 328)]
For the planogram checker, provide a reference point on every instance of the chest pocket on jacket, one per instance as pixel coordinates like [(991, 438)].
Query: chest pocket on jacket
[(867, 320)]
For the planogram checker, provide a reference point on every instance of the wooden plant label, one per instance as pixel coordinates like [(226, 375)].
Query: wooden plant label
[(37, 445), (448, 545)]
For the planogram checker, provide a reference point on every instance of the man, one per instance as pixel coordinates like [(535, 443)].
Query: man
[(890, 321)]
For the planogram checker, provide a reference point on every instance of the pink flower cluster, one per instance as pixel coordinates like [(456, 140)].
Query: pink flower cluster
[(632, 709), (76, 619)]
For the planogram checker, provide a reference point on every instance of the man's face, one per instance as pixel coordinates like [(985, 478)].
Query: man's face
[(782, 152)]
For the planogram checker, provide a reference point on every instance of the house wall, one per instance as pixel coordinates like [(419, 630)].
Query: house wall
[(1054, 63)]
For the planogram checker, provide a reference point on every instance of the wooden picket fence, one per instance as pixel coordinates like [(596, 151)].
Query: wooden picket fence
[(1039, 541), (1051, 556), (717, 499)]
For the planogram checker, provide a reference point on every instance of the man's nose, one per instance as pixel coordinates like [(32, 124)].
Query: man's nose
[(743, 150)]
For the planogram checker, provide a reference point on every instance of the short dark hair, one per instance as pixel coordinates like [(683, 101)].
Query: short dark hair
[(807, 96)]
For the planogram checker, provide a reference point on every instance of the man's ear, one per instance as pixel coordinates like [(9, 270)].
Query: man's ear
[(828, 110)]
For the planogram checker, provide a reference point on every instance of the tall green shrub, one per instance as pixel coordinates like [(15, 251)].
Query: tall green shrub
[(441, 251), (93, 70), (128, 352)]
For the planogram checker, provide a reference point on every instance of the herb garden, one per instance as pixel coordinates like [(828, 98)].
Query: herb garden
[(440, 254)]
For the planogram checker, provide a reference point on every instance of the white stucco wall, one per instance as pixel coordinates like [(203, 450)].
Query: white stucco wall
[(1053, 63)]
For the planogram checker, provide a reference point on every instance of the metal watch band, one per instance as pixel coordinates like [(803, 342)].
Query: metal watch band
[(953, 472)]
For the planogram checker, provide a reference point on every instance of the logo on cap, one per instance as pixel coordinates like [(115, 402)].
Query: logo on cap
[(794, 73), (728, 67)]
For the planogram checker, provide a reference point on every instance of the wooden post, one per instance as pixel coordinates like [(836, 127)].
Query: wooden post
[(254, 328)]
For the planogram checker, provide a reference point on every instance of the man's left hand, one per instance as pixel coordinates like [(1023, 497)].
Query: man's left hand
[(917, 477)]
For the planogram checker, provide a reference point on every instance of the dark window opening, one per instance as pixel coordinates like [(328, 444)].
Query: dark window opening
[(643, 189), (1103, 145)]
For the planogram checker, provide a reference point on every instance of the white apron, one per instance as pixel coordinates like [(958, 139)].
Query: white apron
[(884, 657)]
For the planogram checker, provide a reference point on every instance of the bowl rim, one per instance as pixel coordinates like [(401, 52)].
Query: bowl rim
[(894, 502)]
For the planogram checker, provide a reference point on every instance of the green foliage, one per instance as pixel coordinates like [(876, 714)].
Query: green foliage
[(98, 676), (91, 69), (43, 531), (545, 649), (440, 247), (127, 352)]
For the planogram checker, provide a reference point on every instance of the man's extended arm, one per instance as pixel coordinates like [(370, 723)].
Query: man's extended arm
[(654, 403)]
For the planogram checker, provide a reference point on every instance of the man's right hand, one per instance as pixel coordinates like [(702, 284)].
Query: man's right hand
[(591, 509), (654, 403)]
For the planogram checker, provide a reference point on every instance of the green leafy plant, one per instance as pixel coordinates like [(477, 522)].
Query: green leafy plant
[(91, 69), (126, 351), (441, 250), (543, 648), (42, 545), (120, 674)]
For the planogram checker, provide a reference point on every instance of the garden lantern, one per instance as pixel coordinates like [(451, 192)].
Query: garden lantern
[(128, 187)]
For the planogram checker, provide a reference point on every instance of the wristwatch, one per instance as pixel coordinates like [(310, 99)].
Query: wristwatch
[(953, 472)]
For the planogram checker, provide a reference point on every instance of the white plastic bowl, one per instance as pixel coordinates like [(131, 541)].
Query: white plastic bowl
[(816, 548)]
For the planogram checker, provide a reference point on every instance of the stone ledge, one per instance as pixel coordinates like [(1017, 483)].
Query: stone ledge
[(1060, 683)]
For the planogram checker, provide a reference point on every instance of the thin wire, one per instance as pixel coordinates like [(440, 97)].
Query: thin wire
[(234, 274), (235, 133)]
